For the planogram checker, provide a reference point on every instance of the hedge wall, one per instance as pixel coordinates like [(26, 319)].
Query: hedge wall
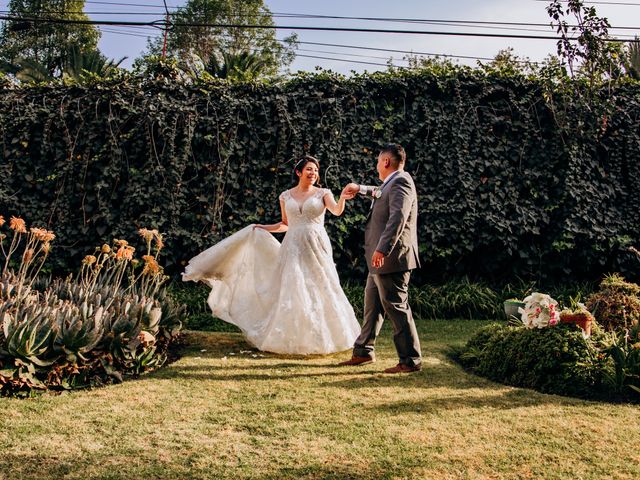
[(515, 179)]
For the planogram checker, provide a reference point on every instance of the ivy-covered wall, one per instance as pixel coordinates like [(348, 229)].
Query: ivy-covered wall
[(515, 179)]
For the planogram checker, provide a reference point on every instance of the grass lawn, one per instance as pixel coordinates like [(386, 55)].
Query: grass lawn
[(216, 415)]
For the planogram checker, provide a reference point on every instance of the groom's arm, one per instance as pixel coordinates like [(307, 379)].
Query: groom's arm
[(400, 199), (365, 190)]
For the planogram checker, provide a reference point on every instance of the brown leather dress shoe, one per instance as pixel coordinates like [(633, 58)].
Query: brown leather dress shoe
[(357, 361), (402, 368)]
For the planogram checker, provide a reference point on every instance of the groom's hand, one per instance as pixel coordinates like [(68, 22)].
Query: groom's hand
[(377, 261), (346, 194), (351, 189)]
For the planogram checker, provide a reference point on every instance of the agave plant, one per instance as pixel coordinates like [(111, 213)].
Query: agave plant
[(172, 315), (28, 333), (113, 319), (77, 330)]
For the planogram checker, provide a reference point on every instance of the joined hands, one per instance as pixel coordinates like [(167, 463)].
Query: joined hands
[(350, 191)]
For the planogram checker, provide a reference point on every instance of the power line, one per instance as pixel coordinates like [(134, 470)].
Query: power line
[(409, 52), (300, 55), (354, 47), (446, 22), (163, 24), (155, 14), (351, 61), (450, 23), (129, 4), (429, 21), (131, 33), (485, 25)]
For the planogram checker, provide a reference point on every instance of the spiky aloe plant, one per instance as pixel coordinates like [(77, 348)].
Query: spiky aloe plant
[(28, 333), (112, 319), (77, 330)]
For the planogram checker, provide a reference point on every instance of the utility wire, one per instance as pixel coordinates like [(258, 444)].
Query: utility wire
[(409, 52), (351, 61), (156, 14), (307, 50), (130, 4), (131, 33), (343, 53), (429, 21), (447, 22), (354, 47), (162, 24)]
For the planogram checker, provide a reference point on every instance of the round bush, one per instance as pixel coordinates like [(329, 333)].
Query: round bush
[(551, 360), (616, 304)]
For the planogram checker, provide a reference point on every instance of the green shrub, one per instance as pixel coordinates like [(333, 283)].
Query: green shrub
[(622, 347), (555, 360), (355, 295), (616, 305)]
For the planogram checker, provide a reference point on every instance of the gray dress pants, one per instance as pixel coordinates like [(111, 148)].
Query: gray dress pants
[(389, 293)]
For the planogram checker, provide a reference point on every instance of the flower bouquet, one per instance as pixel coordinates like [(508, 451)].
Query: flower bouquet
[(539, 311)]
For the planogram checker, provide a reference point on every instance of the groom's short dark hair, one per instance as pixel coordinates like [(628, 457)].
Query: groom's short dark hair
[(397, 153)]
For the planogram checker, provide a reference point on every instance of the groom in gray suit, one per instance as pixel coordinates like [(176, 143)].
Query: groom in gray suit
[(391, 251)]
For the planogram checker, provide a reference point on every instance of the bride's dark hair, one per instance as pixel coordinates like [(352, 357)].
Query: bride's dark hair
[(301, 163)]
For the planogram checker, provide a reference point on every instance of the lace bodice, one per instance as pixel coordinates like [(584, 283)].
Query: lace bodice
[(310, 212)]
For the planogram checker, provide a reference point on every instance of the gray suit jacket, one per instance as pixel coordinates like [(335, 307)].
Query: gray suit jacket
[(392, 224)]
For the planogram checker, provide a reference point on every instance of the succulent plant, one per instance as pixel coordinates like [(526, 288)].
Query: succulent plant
[(73, 331), (77, 330), (28, 333)]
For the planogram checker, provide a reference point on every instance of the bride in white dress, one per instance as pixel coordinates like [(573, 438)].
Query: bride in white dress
[(286, 298)]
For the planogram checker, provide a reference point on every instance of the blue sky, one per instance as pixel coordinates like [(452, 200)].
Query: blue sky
[(130, 42)]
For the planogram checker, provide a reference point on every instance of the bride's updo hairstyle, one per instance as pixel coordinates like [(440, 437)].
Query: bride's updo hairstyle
[(301, 163)]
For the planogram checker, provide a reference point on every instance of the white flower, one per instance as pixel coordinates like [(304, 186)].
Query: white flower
[(377, 193)]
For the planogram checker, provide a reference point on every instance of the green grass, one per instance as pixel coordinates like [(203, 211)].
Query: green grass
[(217, 415)]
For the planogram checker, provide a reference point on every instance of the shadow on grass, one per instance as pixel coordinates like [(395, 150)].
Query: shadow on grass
[(503, 398), (372, 471), (438, 372), (22, 465)]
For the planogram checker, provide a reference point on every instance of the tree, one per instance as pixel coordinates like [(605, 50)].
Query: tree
[(632, 64), (211, 44), (584, 48), (81, 64), (78, 65), (29, 38), (242, 66), (508, 63)]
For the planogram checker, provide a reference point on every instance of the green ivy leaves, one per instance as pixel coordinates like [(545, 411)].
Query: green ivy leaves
[(507, 168)]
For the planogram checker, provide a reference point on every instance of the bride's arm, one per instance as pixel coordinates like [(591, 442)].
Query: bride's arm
[(336, 208), (279, 227)]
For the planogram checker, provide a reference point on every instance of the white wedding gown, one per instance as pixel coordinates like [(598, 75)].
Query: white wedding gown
[(286, 298)]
